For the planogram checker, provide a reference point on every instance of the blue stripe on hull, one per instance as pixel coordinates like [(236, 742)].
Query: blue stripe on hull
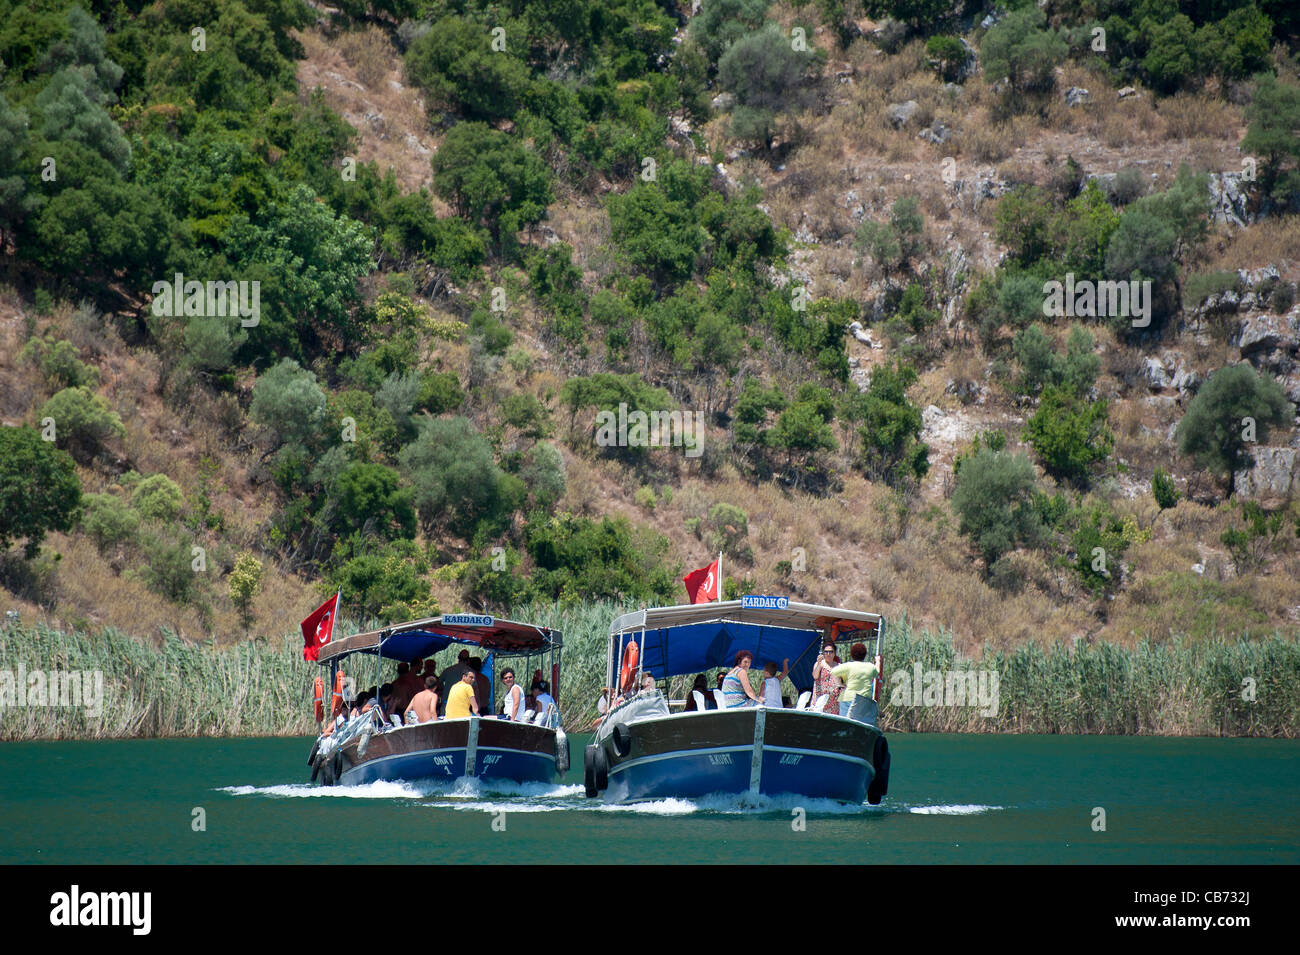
[(449, 764), (688, 775), (815, 776)]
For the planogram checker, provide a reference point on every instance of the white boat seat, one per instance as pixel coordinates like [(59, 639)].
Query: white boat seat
[(396, 721), (804, 697), (528, 716), (718, 698), (819, 704), (699, 700)]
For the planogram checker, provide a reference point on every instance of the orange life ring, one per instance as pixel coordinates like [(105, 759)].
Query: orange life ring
[(336, 704), (631, 656), (318, 694)]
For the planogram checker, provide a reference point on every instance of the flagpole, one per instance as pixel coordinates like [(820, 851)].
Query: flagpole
[(719, 576)]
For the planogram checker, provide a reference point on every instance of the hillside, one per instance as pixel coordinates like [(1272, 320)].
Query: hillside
[(827, 231)]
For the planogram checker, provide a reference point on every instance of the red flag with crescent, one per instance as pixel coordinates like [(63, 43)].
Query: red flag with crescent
[(319, 627), (702, 584)]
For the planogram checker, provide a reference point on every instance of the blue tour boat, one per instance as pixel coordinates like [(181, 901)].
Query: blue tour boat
[(369, 748), (642, 750)]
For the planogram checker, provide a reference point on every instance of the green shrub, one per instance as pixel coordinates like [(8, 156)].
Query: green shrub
[(491, 179), (1219, 420), (1069, 433), (440, 392), (457, 484), (39, 489), (287, 400), (83, 421), (1163, 489), (109, 521), (245, 582), (993, 499), (890, 427), (367, 498), (158, 498), (1199, 287), (543, 475), (947, 56), (576, 558), (1022, 50), (59, 363)]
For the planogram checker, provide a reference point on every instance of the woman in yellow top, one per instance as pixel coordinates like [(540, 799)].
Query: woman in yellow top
[(859, 679), (461, 700)]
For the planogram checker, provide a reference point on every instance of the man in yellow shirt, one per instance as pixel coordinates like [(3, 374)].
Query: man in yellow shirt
[(461, 700), (859, 679)]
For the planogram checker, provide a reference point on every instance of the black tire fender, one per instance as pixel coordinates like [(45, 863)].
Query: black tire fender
[(315, 769), (621, 738), (589, 770), (880, 782), (337, 766), (315, 748)]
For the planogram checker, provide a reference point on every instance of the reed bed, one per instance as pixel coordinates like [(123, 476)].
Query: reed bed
[(261, 687), (1180, 688), (253, 688)]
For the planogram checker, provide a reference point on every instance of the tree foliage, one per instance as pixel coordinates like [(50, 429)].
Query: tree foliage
[(39, 489), (1235, 407)]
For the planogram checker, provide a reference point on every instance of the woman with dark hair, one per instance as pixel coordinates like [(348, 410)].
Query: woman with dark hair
[(701, 687), (825, 683), (859, 678), (736, 690)]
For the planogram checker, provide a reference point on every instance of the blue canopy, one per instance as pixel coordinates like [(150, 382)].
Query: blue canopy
[(414, 644), (701, 647), (422, 638), (695, 638)]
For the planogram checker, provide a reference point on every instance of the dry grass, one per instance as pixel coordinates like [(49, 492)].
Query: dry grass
[(1271, 241), (364, 81), (1191, 116)]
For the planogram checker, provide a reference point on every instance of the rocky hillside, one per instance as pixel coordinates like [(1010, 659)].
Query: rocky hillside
[(828, 232)]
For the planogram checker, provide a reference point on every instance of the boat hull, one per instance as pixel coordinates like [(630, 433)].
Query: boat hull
[(453, 749), (751, 750)]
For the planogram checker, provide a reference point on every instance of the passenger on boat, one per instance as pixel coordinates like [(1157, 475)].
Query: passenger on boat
[(859, 678), (513, 704), (461, 700), (722, 675), (825, 683), (700, 698), (452, 675), (736, 690), (544, 698), (772, 683), (482, 685), (402, 689), (647, 682), (423, 707)]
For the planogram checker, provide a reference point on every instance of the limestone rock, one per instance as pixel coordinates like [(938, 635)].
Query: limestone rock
[(1272, 475), (900, 114)]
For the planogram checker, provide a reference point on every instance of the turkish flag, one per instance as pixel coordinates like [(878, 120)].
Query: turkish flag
[(702, 584), (319, 627)]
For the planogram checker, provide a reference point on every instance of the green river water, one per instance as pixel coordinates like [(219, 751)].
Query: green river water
[(953, 799)]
